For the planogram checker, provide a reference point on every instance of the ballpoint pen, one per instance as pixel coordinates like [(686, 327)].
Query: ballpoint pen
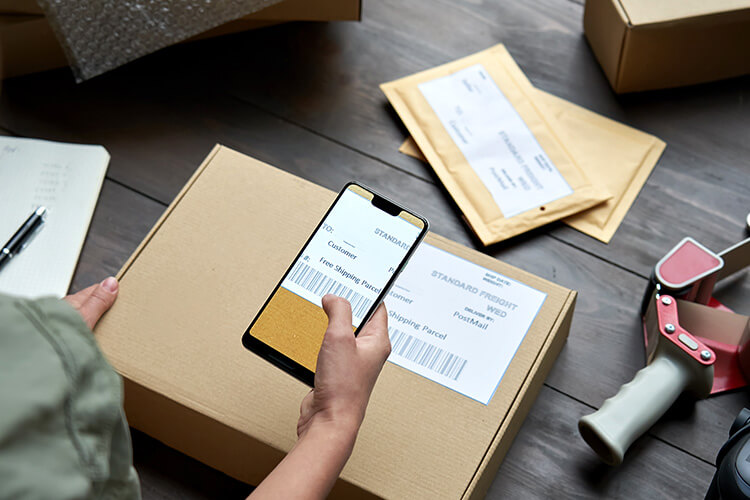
[(22, 236)]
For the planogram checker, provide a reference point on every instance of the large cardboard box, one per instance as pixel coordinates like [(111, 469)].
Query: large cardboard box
[(28, 44), (646, 44), (191, 289)]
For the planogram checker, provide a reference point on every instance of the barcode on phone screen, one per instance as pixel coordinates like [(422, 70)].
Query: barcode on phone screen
[(425, 354), (321, 284)]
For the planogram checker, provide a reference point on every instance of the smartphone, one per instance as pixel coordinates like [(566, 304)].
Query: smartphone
[(357, 251)]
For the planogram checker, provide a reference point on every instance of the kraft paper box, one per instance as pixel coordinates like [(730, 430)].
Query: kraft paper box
[(191, 289), (28, 44), (646, 44)]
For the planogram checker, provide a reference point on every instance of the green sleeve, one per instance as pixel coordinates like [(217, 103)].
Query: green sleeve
[(63, 432)]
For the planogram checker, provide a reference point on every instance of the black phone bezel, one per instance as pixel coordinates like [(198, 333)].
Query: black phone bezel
[(284, 362)]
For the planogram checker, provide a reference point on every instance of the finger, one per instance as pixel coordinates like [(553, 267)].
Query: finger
[(79, 297), (377, 324), (339, 313), (101, 299), (377, 328)]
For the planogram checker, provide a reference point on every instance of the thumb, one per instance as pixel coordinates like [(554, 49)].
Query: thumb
[(339, 313), (376, 331), (101, 299), (377, 325)]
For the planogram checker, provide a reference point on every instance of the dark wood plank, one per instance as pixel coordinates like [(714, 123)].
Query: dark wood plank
[(121, 220), (548, 460), (119, 112), (167, 473)]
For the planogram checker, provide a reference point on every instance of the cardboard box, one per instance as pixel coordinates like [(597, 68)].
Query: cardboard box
[(28, 44), (643, 45), (20, 7), (191, 289)]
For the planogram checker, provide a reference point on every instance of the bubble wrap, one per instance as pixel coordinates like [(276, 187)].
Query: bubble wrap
[(100, 35)]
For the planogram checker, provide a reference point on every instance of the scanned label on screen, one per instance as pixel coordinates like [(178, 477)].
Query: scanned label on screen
[(458, 323), (495, 140), (353, 255)]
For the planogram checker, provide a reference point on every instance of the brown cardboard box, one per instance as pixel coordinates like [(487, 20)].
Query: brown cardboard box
[(286, 10), (28, 44), (20, 7), (194, 284), (646, 44)]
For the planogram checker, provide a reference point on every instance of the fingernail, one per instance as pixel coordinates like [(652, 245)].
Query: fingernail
[(110, 284)]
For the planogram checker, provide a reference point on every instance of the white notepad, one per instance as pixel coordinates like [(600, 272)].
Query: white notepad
[(65, 178)]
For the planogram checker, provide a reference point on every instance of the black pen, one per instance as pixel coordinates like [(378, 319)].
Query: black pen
[(21, 238)]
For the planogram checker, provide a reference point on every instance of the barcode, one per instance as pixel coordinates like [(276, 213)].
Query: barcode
[(426, 354), (320, 284)]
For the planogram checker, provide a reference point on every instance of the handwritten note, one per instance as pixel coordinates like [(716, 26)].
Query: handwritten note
[(65, 178)]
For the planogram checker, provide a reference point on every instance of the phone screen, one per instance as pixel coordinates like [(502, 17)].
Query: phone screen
[(353, 254)]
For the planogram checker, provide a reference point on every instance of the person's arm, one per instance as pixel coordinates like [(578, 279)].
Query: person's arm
[(63, 434), (331, 414)]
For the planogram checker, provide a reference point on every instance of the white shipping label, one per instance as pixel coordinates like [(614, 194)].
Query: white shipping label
[(458, 323), (495, 140)]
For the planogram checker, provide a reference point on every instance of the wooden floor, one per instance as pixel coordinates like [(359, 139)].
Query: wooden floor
[(305, 97)]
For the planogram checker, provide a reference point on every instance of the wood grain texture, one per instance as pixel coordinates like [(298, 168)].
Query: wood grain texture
[(304, 97), (167, 473), (121, 220), (549, 460)]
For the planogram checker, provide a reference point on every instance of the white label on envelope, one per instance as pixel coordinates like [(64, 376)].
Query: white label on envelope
[(495, 140), (458, 323)]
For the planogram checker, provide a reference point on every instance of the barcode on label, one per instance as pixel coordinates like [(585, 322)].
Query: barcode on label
[(425, 354), (321, 284)]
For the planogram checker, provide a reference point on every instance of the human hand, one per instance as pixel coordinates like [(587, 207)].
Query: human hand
[(92, 302), (330, 415), (347, 369)]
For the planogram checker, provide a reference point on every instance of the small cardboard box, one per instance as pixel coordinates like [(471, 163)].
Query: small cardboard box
[(28, 44), (643, 44), (191, 289)]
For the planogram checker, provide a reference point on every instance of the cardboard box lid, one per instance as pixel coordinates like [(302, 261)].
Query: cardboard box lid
[(195, 283), (640, 12), (286, 10), (20, 7)]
